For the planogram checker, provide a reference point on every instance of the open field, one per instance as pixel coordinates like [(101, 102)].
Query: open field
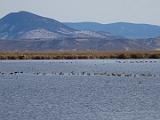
[(79, 55)]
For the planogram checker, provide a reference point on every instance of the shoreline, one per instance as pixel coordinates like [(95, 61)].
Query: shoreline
[(57, 55)]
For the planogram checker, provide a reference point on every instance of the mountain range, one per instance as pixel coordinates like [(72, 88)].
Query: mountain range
[(24, 31), (128, 30)]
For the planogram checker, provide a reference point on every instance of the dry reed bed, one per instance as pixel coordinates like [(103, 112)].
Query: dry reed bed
[(79, 55)]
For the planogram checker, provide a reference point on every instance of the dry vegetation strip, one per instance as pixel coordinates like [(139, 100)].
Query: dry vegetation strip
[(78, 55)]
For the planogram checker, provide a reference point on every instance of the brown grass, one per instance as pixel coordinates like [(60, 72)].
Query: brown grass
[(79, 55)]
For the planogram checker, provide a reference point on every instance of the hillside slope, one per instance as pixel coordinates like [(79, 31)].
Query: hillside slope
[(129, 30)]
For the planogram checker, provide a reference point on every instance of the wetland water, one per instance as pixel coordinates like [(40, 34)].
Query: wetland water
[(80, 90)]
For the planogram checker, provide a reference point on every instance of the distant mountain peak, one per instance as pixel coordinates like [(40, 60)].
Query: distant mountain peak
[(24, 12), (15, 25), (20, 14)]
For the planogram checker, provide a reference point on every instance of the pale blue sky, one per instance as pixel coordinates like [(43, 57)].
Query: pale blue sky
[(103, 11)]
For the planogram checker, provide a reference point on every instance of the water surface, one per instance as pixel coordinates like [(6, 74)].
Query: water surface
[(80, 90)]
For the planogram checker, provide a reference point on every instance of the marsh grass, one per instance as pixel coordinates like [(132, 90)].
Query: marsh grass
[(79, 55)]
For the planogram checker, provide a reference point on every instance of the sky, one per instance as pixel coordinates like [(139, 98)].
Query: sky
[(102, 11)]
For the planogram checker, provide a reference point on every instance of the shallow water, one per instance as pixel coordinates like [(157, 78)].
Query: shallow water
[(80, 90)]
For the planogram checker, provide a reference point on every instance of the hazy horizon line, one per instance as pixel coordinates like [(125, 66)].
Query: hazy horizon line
[(82, 21)]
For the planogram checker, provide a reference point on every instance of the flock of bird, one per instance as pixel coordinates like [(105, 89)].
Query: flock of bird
[(84, 73), (137, 61)]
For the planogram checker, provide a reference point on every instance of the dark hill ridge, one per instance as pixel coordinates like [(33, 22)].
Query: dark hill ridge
[(128, 30), (16, 25), (24, 31), (25, 25)]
